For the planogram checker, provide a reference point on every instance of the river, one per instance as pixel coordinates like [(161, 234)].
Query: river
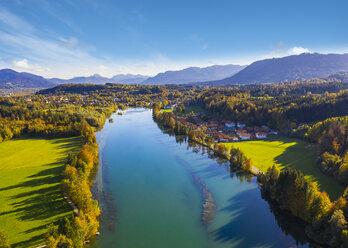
[(149, 188)]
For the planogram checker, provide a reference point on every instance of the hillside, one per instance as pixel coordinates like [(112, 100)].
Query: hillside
[(303, 66), (10, 79), (195, 74)]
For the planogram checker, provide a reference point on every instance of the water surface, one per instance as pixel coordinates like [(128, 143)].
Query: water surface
[(149, 197)]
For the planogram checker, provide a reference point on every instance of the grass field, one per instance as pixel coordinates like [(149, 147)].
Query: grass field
[(285, 152), (167, 110), (30, 172)]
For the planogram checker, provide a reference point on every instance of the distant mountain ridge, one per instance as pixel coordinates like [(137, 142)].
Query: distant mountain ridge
[(295, 67), (10, 79), (97, 79), (303, 66), (195, 74)]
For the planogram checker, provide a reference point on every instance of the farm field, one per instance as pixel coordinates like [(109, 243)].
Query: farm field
[(31, 198), (286, 152)]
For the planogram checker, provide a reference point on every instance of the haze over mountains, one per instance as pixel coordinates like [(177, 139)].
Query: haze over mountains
[(97, 79), (295, 67), (195, 74), (303, 66)]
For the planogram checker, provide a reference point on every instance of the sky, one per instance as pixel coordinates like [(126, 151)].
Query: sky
[(67, 38)]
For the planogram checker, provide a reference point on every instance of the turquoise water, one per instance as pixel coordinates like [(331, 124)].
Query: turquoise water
[(149, 198)]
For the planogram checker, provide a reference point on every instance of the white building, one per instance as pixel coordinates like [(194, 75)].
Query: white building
[(244, 136), (229, 124), (261, 135)]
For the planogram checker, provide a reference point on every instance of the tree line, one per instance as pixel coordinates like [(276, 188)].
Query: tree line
[(79, 173), (326, 220)]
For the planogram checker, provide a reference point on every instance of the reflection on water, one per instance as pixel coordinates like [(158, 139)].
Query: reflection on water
[(160, 181)]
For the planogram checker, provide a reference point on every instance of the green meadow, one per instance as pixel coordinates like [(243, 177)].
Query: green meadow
[(286, 152), (167, 110), (30, 193)]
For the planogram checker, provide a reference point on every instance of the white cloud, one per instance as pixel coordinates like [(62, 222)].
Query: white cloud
[(298, 50), (281, 50), (25, 65)]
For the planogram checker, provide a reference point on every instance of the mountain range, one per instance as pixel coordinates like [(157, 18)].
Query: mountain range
[(295, 67), (97, 79), (10, 79), (195, 74)]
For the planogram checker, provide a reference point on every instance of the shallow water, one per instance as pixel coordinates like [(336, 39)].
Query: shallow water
[(149, 197)]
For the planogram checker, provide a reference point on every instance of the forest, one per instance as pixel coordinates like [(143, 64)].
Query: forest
[(312, 110)]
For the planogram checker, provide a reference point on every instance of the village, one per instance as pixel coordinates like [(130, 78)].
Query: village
[(223, 131)]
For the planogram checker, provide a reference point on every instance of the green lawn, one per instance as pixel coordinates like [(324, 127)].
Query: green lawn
[(30, 172), (286, 152), (167, 110)]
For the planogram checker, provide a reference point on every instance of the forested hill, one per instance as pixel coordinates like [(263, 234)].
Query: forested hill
[(303, 66), (86, 89), (10, 79)]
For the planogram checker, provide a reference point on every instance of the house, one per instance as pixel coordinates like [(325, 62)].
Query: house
[(188, 124), (211, 133), (241, 124), (229, 124), (223, 137), (240, 131), (212, 126), (244, 136), (261, 135)]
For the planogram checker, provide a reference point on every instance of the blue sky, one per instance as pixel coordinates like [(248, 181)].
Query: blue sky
[(65, 38)]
